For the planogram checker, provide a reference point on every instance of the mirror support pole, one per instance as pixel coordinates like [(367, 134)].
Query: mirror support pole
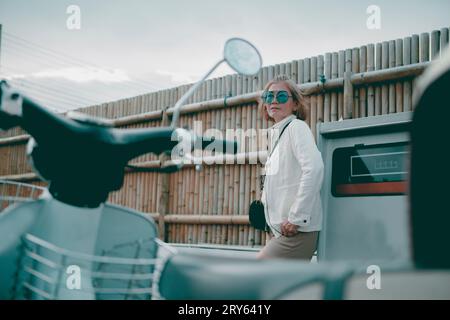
[(183, 99)]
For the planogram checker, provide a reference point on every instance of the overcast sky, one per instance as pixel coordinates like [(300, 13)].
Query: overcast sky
[(143, 45)]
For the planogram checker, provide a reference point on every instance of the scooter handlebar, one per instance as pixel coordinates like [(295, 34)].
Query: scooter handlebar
[(18, 110)]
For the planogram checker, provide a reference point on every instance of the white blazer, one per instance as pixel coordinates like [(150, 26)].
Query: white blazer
[(294, 176)]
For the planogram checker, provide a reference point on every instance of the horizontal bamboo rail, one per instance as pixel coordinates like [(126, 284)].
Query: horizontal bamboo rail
[(203, 219), (223, 159), (23, 177), (137, 118), (14, 140)]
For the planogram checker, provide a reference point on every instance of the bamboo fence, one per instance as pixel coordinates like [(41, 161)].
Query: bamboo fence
[(211, 205)]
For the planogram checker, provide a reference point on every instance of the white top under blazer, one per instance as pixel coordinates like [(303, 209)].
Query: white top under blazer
[(294, 176)]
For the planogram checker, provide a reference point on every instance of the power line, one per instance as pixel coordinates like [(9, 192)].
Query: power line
[(41, 55), (20, 82), (41, 61), (26, 83), (20, 85), (65, 87), (54, 89), (73, 60), (49, 101)]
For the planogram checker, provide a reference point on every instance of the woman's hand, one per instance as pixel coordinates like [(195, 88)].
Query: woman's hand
[(288, 229)]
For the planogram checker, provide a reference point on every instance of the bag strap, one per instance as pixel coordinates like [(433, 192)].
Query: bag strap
[(261, 186), (278, 140)]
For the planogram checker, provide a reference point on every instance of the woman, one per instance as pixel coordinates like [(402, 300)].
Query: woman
[(293, 175)]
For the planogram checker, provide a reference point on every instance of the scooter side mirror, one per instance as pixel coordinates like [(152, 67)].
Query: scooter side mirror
[(242, 56)]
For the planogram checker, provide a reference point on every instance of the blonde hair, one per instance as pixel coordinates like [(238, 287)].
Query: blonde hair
[(298, 95)]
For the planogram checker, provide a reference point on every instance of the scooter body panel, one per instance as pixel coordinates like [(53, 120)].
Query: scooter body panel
[(106, 231)]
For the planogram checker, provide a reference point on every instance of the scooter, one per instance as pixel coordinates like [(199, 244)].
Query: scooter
[(70, 243)]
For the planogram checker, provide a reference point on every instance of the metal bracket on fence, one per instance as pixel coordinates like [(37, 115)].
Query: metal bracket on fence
[(322, 80), (229, 95)]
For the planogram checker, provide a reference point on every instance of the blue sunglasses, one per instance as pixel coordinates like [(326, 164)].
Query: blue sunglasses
[(281, 96)]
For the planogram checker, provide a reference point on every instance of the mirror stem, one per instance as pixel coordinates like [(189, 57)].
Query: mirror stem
[(183, 99)]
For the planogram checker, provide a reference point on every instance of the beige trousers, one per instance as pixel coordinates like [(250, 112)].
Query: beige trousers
[(301, 246)]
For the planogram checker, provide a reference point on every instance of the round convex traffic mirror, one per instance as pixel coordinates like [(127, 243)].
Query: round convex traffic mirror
[(242, 56)]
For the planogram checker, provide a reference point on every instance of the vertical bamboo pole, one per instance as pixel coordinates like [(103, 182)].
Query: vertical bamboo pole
[(257, 81), (283, 68), (399, 84), (334, 96), (210, 125), (355, 69), (300, 68), (348, 87), (9, 159), (177, 235), (248, 174), (435, 44), (265, 76), (209, 228), (392, 99), (181, 179), (363, 90), (163, 185), (277, 70), (415, 55), (237, 171), (181, 189), (230, 194), (294, 69), (220, 122), (424, 47), (250, 80), (171, 202), (175, 186), (287, 69), (254, 184), (190, 211), (378, 88), (271, 72), (196, 187), (215, 169), (320, 72), (327, 98), (385, 88), (226, 167), (341, 70), (241, 202), (306, 70), (194, 231), (306, 79), (407, 100), (239, 179), (444, 39), (259, 126), (205, 188), (314, 97), (234, 170)]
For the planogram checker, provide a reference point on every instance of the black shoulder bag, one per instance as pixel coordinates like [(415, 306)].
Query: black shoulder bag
[(257, 215)]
